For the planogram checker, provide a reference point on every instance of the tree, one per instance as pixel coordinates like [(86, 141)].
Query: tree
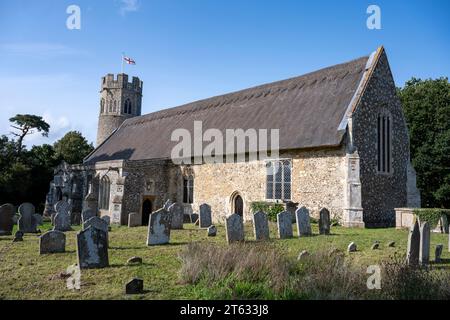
[(72, 148), (426, 105), (27, 124)]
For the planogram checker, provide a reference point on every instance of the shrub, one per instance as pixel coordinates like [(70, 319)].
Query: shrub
[(270, 208), (431, 215)]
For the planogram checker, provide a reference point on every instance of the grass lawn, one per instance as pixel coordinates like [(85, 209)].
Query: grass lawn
[(24, 274)]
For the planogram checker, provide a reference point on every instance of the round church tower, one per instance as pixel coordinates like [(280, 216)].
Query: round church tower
[(119, 100)]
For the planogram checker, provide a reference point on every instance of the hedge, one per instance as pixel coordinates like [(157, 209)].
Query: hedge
[(432, 215)]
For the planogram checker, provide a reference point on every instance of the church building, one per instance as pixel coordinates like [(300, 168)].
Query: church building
[(343, 145)]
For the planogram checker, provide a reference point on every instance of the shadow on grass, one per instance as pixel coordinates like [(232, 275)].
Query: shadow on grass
[(145, 264)]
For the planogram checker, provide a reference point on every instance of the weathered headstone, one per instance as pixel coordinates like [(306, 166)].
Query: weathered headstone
[(134, 260), (92, 248), (6, 219), (424, 250), (260, 226), (18, 236), (52, 242), (324, 221), (375, 245), (87, 214), (75, 218), (234, 228), (176, 211), (194, 217), (205, 219), (391, 244), (63, 205), (134, 286), (38, 219), (284, 223), (62, 220), (27, 221), (303, 222), (212, 231), (444, 223), (302, 255), (352, 247), (167, 205), (159, 228), (96, 222), (107, 219), (134, 220), (412, 254), (438, 253)]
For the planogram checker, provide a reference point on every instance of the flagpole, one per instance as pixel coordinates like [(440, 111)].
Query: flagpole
[(123, 56)]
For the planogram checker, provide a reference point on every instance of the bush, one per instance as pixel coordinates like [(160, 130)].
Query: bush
[(263, 271), (432, 215), (270, 208)]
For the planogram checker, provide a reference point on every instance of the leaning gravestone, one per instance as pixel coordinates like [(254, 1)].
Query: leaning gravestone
[(6, 219), (87, 214), (176, 211), (324, 221), (134, 286), (234, 228), (260, 226), (284, 223), (52, 242), (167, 205), (212, 231), (96, 222), (205, 216), (92, 248), (63, 205), (27, 221), (424, 250), (159, 228), (134, 220), (303, 222), (438, 253), (412, 254)]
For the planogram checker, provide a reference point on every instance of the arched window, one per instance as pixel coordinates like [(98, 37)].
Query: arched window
[(127, 107), (384, 143), (102, 105), (278, 174), (115, 106), (188, 189), (109, 106), (104, 193)]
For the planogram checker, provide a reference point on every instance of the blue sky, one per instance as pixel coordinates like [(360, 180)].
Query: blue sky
[(192, 49)]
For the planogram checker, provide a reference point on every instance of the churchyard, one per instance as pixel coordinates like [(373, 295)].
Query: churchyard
[(190, 261)]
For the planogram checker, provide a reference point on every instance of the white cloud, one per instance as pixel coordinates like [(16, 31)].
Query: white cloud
[(128, 6), (59, 125)]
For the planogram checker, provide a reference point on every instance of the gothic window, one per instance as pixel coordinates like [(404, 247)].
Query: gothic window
[(102, 105), (384, 143), (278, 186), (188, 189), (104, 195), (115, 106), (109, 106)]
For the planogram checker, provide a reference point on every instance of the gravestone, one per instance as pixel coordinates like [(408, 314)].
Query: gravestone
[(62, 221), (38, 219), (167, 205), (96, 222), (424, 250), (27, 221), (194, 217), (134, 260), (205, 216), (159, 228), (134, 286), (52, 242), (444, 223), (176, 211), (375, 245), (92, 248), (87, 214), (324, 221), (75, 218), (260, 226), (391, 244), (352, 247), (212, 231), (18, 236), (303, 222), (107, 219), (6, 219), (284, 223), (234, 228), (412, 253), (302, 255), (134, 220), (438, 253)]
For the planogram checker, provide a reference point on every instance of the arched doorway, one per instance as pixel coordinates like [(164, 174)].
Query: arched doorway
[(146, 211), (238, 205)]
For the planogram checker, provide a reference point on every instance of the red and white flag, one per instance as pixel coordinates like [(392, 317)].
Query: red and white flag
[(128, 60)]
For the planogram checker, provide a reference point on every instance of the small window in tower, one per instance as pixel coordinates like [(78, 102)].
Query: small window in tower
[(109, 106), (384, 143), (115, 106), (102, 105)]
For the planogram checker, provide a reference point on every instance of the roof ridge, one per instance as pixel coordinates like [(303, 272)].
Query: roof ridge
[(297, 82)]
